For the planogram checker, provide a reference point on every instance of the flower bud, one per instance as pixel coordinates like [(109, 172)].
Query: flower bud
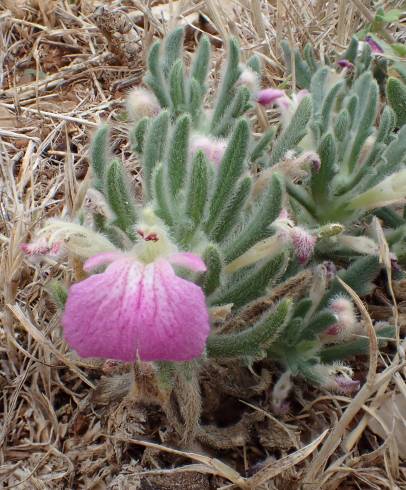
[(213, 148), (332, 229), (303, 243), (375, 47), (280, 393), (336, 377), (43, 246), (142, 103), (343, 309), (269, 96), (345, 64), (249, 78)]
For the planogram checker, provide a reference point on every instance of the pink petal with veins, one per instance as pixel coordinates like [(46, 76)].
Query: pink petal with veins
[(135, 311), (188, 260)]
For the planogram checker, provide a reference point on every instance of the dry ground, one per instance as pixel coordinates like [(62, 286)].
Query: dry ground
[(58, 80)]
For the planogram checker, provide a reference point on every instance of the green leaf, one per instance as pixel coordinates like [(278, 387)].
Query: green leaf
[(178, 155), (161, 197), (138, 135), (321, 179), (201, 63), (212, 259), (231, 168), (253, 340), (345, 350), (262, 144), (120, 198), (154, 148), (396, 91), (154, 77), (177, 87), (250, 285), (196, 198), (358, 276), (294, 133), (257, 228), (231, 75), (99, 155), (172, 50), (231, 213)]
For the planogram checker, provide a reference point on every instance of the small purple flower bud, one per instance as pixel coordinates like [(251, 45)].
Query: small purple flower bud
[(375, 47), (269, 96), (345, 64)]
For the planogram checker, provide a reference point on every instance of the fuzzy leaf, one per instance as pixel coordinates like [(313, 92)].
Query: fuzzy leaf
[(196, 198), (120, 198), (249, 342), (396, 91), (154, 148), (172, 50), (250, 285), (230, 215), (99, 155), (212, 259), (178, 155), (231, 168), (257, 228), (231, 75), (200, 67), (177, 87), (294, 133)]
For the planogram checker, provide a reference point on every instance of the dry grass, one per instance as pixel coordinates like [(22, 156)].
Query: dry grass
[(57, 81)]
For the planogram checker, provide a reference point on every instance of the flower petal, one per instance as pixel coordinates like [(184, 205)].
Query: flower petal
[(132, 311), (269, 96), (101, 259), (188, 260)]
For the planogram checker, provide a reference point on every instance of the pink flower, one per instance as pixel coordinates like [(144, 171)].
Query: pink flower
[(214, 149), (269, 96), (135, 310)]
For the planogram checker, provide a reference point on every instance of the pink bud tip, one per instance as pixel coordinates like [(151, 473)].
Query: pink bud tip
[(334, 330), (214, 149), (316, 163), (330, 268), (345, 64), (375, 47), (303, 243), (347, 385), (41, 247), (269, 96)]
